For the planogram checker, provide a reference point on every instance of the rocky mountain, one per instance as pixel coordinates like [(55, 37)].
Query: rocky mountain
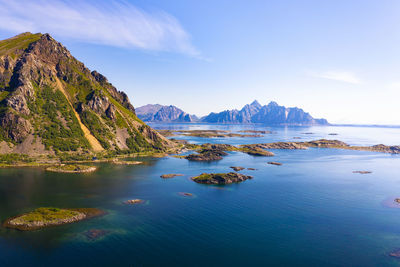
[(159, 113), (272, 114), (50, 103)]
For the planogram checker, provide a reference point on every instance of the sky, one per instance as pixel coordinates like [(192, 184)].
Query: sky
[(338, 60)]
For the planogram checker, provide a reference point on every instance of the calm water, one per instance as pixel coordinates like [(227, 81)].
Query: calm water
[(312, 211)]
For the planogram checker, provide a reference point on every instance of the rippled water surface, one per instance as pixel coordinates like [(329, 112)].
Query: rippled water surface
[(311, 211)]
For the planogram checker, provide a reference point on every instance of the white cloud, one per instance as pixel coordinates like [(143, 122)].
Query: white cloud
[(341, 76), (114, 23)]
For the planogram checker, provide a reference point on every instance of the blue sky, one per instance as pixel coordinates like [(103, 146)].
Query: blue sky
[(335, 59)]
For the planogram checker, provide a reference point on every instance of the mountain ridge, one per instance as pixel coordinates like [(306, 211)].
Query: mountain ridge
[(50, 104), (161, 113), (272, 114)]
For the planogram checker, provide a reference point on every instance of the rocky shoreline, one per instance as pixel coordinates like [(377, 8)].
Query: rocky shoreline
[(65, 168)]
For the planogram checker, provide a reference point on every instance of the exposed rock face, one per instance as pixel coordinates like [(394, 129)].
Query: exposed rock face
[(221, 178), (47, 93), (159, 113), (271, 114)]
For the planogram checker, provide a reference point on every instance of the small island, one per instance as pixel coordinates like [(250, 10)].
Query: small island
[(362, 172), (171, 175), (134, 201), (237, 168), (274, 163), (221, 178), (48, 216), (71, 168)]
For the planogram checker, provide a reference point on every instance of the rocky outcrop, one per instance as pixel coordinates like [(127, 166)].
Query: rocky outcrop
[(207, 155), (221, 178)]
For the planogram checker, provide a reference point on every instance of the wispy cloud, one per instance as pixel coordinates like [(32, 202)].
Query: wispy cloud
[(341, 76), (114, 23)]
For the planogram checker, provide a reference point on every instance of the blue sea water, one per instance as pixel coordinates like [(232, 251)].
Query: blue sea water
[(311, 211)]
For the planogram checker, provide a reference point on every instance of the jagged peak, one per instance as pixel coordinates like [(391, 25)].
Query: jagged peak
[(255, 103), (273, 104)]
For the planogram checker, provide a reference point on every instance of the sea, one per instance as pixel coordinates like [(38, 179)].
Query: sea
[(310, 211)]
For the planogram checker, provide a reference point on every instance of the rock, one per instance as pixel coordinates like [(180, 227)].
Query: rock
[(255, 150), (133, 201), (326, 143), (362, 172), (274, 163), (185, 194), (333, 134), (94, 234), (397, 200), (251, 169), (172, 175), (254, 131), (220, 178), (395, 253), (71, 168), (284, 145), (237, 168), (207, 155)]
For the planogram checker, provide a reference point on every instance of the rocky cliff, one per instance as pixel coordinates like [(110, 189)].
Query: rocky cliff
[(51, 103), (159, 113)]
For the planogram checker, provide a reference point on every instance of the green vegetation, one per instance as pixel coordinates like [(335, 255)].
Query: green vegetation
[(14, 158), (45, 215), (19, 42), (96, 127), (221, 178), (121, 123), (3, 94), (51, 106), (73, 168), (49, 216)]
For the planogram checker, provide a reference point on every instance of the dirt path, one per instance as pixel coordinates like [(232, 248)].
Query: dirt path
[(92, 140)]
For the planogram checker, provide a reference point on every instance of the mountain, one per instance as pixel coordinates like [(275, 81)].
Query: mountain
[(50, 103), (159, 113), (272, 114)]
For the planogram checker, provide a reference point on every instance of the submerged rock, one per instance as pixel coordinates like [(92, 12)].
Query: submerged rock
[(94, 234), (220, 178), (252, 169), (237, 168)]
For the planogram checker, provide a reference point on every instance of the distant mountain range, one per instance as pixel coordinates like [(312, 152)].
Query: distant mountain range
[(160, 113), (272, 114)]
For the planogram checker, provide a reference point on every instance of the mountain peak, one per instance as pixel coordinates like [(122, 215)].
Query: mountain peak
[(255, 103), (50, 103), (273, 104)]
